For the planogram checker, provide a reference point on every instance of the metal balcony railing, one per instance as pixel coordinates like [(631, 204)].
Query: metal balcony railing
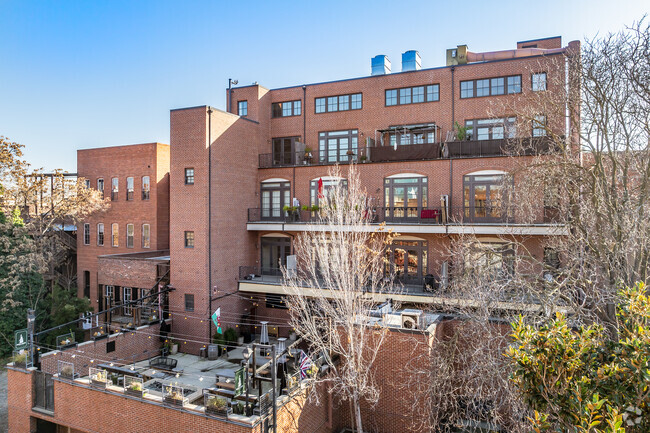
[(293, 159)]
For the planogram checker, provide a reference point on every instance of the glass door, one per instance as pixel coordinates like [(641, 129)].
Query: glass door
[(405, 198), (486, 199), (407, 261), (274, 255), (284, 151), (275, 196)]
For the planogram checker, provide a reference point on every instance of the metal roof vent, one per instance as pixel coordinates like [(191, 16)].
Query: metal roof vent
[(380, 65), (411, 61)]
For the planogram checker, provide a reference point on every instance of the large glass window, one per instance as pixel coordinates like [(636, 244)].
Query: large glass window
[(130, 229), (274, 254), (334, 146), (412, 134), (493, 260), (286, 109), (189, 302), (407, 261), (339, 103), (114, 188), (127, 296), (490, 86), (487, 197), (242, 108), (275, 196), (129, 188), (328, 185), (146, 236), (413, 95), (539, 126), (404, 197), (491, 129), (146, 187), (100, 234), (115, 235), (538, 82), (284, 151)]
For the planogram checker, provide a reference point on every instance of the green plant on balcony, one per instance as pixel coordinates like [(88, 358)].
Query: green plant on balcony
[(20, 359), (67, 371), (217, 406), (461, 132)]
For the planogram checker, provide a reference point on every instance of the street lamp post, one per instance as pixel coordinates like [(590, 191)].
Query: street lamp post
[(247, 354)]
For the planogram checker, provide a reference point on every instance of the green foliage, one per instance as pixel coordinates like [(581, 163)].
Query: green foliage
[(230, 335), (584, 380), (64, 306), (461, 131)]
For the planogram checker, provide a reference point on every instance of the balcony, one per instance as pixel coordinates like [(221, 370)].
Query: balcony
[(415, 152)]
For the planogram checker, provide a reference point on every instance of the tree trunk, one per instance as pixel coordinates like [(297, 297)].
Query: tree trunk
[(357, 413)]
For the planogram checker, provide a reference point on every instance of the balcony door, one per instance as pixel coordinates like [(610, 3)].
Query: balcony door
[(404, 198), (407, 261), (284, 150), (275, 196), (274, 254), (486, 198)]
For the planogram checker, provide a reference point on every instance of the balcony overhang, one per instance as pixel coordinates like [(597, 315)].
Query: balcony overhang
[(404, 298), (450, 229)]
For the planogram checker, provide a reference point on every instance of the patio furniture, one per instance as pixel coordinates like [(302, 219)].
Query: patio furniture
[(163, 363)]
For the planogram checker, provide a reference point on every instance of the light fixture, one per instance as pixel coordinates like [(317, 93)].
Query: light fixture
[(246, 353)]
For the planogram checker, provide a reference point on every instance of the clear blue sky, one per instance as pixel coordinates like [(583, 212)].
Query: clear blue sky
[(79, 74)]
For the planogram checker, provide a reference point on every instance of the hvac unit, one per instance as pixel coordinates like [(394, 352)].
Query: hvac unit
[(412, 319)]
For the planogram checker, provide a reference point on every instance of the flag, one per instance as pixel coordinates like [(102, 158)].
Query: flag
[(239, 382), (216, 318), (320, 188), (305, 364)]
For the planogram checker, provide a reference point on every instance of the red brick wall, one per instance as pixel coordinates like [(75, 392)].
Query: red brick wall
[(151, 159), (131, 346), (129, 271)]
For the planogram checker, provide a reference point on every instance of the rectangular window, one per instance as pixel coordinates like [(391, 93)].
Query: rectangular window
[(129, 188), (189, 239), (539, 82), (413, 95), (115, 235), (331, 104), (100, 186), (146, 236), (491, 129), (86, 234), (490, 86), (130, 229), (242, 108), (146, 187), (391, 97), (87, 183), (86, 284), (338, 146), (539, 126), (320, 105), (114, 188), (189, 176), (286, 109), (100, 234), (514, 84), (189, 302)]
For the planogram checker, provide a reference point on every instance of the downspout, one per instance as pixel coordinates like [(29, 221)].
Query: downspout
[(210, 221), (451, 161)]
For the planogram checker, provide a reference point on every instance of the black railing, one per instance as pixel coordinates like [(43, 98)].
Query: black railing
[(292, 159), (258, 273), (408, 215)]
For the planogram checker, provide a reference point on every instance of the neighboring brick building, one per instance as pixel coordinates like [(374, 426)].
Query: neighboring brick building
[(135, 182)]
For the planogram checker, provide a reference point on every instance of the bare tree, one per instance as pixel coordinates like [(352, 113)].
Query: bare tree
[(340, 269)]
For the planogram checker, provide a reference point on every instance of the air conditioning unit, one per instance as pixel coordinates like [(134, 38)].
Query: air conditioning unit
[(412, 319)]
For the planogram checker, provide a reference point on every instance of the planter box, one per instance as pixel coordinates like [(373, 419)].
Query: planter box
[(100, 337), (174, 401), (22, 365), (135, 393), (98, 384), (223, 413), (67, 346)]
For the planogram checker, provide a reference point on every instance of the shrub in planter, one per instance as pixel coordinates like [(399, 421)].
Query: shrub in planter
[(67, 372), (20, 360), (217, 406), (135, 389)]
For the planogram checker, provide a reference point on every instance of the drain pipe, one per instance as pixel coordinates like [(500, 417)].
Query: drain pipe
[(210, 223)]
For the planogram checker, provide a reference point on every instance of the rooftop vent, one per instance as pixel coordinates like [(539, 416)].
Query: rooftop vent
[(411, 61), (380, 65)]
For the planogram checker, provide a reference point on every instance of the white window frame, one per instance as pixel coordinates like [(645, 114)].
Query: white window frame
[(100, 229)]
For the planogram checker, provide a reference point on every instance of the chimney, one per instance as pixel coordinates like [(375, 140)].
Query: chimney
[(380, 65), (411, 61)]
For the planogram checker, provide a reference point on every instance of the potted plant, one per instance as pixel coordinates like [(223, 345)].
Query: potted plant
[(135, 389), (99, 335), (217, 406), (292, 212), (363, 158), (128, 327), (308, 155), (20, 359), (230, 337), (67, 372), (461, 132), (174, 395), (99, 379)]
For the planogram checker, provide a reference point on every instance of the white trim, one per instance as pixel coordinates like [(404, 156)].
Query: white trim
[(275, 235), (409, 238), (275, 179), (328, 178), (402, 175), (486, 173)]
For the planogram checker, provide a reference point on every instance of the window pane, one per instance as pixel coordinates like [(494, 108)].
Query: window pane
[(404, 96), (297, 108), (391, 97), (287, 109), (482, 87), (433, 93), (320, 105), (514, 84), (498, 86), (332, 103), (418, 94), (466, 89), (146, 236), (356, 101), (539, 82)]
